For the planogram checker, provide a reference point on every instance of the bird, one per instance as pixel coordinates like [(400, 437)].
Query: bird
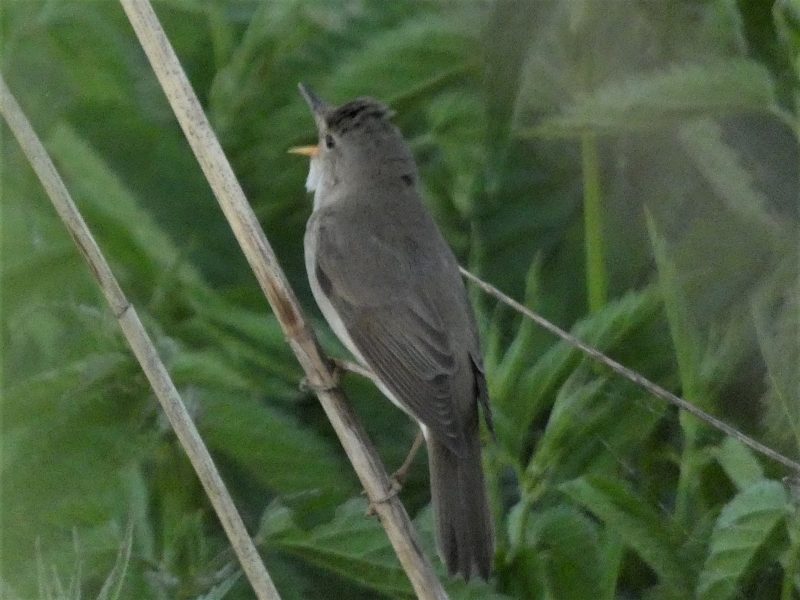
[(389, 286)]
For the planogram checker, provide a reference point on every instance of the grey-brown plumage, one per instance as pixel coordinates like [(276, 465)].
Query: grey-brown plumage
[(389, 286)]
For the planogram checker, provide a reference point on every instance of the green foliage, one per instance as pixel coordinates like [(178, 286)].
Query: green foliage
[(350, 545), (775, 314), (271, 446), (357, 549), (739, 464), (639, 526), (744, 526), (628, 169), (522, 391), (656, 100), (113, 585)]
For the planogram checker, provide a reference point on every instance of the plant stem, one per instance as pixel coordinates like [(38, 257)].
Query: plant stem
[(143, 348), (596, 275), (792, 563), (636, 378), (261, 257), (612, 560), (688, 480)]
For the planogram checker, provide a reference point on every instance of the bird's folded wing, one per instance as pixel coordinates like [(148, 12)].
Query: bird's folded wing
[(393, 323)]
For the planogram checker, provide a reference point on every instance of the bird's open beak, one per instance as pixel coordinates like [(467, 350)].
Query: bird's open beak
[(318, 108), (317, 105), (310, 151)]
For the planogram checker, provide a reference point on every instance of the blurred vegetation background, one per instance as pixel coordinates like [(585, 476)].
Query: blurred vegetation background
[(628, 168)]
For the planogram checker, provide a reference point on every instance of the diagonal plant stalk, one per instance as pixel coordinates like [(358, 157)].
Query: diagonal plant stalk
[(636, 378), (275, 286), (781, 461), (142, 347)]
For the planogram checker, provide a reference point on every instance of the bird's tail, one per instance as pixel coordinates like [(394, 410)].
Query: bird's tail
[(464, 532)]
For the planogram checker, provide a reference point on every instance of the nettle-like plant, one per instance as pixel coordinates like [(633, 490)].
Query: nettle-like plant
[(629, 170)]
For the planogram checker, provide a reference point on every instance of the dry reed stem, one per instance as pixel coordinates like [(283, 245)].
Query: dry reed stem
[(633, 376), (142, 347), (273, 282)]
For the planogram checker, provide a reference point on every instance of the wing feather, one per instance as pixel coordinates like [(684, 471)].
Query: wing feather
[(393, 323), (391, 348)]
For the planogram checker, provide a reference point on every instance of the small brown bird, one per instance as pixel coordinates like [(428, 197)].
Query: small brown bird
[(389, 286)]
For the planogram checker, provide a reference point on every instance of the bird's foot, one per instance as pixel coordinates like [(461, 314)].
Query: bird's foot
[(398, 478), (336, 377), (394, 489)]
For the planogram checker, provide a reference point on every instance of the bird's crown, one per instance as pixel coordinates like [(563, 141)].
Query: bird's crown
[(356, 113)]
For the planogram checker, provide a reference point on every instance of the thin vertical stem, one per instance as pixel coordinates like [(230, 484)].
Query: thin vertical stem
[(613, 550), (792, 563), (596, 275)]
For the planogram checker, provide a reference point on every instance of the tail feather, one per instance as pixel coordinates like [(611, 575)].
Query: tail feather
[(464, 532)]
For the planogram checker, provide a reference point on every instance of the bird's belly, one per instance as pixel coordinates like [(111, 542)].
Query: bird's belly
[(330, 314)]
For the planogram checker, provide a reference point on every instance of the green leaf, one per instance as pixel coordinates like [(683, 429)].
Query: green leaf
[(245, 337), (275, 449), (739, 463), (776, 310), (66, 388), (683, 330), (458, 589), (272, 29), (128, 234), (611, 555), (722, 168), (424, 50), (517, 406), (456, 132), (207, 368), (568, 543), (644, 530), (651, 100), (138, 498), (355, 547), (68, 469), (6, 591), (219, 591), (506, 366), (742, 529), (569, 429), (352, 545)]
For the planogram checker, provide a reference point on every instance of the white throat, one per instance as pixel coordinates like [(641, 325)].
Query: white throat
[(315, 181), (312, 181)]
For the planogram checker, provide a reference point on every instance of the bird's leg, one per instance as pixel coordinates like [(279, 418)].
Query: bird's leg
[(341, 365), (399, 476), (397, 479)]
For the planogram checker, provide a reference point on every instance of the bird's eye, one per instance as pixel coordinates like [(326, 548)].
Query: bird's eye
[(329, 141)]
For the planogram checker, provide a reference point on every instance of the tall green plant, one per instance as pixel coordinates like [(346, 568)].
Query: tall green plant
[(630, 170)]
